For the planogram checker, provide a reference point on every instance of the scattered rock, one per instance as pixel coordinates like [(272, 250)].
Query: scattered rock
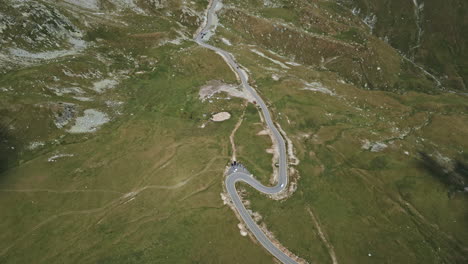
[(103, 85), (35, 145), (378, 146), (221, 116), (225, 41), (293, 63), (88, 4), (67, 90), (318, 87), (261, 54), (83, 98), (243, 230), (66, 114), (373, 146), (226, 199), (55, 157)]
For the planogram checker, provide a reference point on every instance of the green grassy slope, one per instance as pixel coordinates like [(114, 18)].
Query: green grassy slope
[(382, 148), (403, 203), (434, 33), (143, 188)]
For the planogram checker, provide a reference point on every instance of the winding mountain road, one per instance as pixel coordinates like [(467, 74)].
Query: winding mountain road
[(239, 174)]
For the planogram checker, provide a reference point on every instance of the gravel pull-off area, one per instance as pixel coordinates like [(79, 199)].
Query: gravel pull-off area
[(90, 122), (213, 87), (221, 116)]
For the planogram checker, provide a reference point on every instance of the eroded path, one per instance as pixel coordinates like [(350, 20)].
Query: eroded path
[(235, 174)]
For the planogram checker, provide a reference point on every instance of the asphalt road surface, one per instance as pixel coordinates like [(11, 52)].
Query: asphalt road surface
[(242, 175)]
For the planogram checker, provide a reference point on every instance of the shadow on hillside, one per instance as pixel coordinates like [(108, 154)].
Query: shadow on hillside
[(454, 175), (8, 150)]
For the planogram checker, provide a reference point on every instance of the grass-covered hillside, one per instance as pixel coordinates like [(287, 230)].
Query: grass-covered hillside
[(382, 173), (327, 35), (108, 153), (430, 32)]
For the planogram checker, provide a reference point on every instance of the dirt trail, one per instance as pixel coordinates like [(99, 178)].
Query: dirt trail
[(231, 137), (331, 249), (60, 192)]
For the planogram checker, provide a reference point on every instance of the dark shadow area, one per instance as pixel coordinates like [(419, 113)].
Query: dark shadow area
[(454, 174), (8, 150)]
